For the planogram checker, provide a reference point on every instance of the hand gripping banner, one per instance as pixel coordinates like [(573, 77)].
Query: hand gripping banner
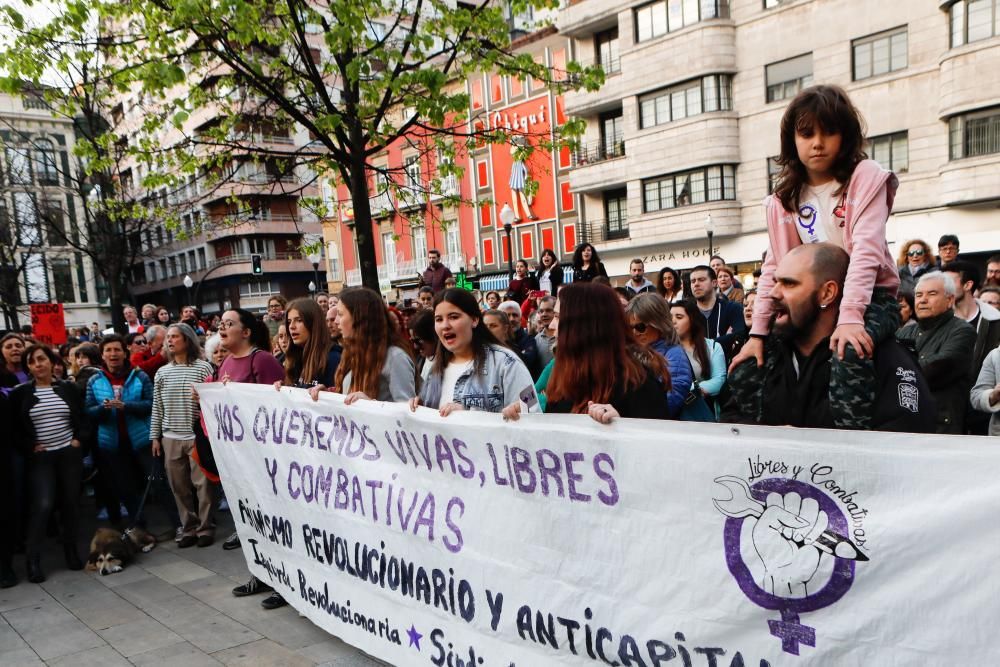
[(554, 540)]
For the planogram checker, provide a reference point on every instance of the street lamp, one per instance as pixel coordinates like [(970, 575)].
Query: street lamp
[(507, 217), (188, 283), (312, 287), (710, 230), (314, 257)]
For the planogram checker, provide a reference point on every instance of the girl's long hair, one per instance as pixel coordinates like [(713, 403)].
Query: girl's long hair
[(830, 109), (373, 334), (595, 259), (597, 352), (309, 360), (678, 286), (697, 332), (482, 337)]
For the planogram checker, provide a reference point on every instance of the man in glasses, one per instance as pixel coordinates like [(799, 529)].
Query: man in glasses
[(992, 272), (947, 249)]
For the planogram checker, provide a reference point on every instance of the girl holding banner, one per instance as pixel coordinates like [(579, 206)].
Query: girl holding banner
[(472, 371)]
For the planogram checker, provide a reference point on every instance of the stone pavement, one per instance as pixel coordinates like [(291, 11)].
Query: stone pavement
[(169, 607)]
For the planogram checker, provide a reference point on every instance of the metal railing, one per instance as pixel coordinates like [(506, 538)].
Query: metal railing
[(598, 151), (597, 231), (245, 258)]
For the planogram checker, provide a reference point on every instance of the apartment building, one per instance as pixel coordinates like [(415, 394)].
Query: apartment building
[(41, 215), (216, 222), (686, 124)]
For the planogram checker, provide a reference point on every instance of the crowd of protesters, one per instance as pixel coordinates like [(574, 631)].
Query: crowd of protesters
[(836, 334)]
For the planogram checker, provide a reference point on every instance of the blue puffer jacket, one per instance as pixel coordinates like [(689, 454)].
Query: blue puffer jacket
[(137, 394)]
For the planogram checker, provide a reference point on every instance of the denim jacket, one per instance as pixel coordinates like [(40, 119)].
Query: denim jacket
[(500, 382)]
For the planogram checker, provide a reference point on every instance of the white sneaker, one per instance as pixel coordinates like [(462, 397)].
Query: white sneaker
[(178, 534)]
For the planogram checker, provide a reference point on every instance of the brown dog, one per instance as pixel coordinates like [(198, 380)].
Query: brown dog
[(111, 551)]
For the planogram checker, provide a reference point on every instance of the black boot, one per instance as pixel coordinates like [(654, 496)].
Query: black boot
[(7, 576), (73, 561), (35, 574)]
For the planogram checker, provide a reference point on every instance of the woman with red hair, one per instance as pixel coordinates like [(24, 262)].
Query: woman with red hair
[(600, 369)]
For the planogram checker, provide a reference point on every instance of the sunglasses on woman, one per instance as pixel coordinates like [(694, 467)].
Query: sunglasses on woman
[(915, 253), (639, 327)]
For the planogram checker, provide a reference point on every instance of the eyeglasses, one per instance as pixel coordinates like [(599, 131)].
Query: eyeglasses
[(639, 327), (915, 253), (228, 324), (139, 341)]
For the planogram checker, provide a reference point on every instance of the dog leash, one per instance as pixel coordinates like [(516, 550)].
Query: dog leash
[(142, 502)]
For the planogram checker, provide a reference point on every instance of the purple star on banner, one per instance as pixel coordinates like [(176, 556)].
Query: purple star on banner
[(414, 637)]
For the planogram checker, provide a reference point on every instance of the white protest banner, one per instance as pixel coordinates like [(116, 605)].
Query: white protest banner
[(555, 540)]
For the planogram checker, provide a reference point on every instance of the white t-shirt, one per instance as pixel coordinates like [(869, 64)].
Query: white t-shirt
[(545, 281), (818, 219), (452, 372)]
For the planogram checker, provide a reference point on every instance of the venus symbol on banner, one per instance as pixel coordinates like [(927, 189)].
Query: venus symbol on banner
[(786, 547)]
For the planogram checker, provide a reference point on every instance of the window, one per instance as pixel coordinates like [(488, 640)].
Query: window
[(710, 93), (659, 18), (607, 51), (18, 166), (251, 287), (36, 278), (973, 20), (55, 222), (62, 279), (786, 78), (81, 278), (715, 183), (773, 171), (201, 258), (26, 218), (452, 244), (879, 54), (975, 134), (892, 151), (612, 133), (412, 168), (45, 163), (771, 4), (615, 214), (419, 243), (389, 251)]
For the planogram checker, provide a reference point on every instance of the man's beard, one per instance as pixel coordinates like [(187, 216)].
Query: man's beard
[(795, 328)]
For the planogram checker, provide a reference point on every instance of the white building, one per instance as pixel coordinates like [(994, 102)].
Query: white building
[(38, 177), (688, 117)]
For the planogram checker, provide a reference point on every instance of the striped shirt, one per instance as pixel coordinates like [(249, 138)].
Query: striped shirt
[(174, 407), (51, 417)]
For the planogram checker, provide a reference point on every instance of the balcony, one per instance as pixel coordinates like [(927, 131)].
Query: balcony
[(598, 151), (582, 18), (449, 188), (599, 231)]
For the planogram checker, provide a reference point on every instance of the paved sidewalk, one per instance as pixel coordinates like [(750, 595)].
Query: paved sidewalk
[(169, 607)]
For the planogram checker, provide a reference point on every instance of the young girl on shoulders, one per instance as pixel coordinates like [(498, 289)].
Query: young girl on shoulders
[(828, 191)]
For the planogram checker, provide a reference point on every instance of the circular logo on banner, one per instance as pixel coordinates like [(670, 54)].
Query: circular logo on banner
[(787, 546)]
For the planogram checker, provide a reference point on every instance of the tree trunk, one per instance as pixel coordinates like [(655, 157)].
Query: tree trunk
[(363, 225)]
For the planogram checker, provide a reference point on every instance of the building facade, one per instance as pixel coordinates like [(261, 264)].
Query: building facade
[(686, 124), (41, 216)]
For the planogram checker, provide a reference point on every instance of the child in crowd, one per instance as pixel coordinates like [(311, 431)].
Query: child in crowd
[(828, 191)]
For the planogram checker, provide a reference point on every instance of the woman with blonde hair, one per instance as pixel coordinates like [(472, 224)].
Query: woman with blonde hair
[(915, 259)]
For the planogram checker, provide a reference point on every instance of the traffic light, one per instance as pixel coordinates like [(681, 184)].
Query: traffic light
[(256, 265)]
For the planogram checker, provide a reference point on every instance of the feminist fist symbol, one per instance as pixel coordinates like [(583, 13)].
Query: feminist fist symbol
[(784, 539)]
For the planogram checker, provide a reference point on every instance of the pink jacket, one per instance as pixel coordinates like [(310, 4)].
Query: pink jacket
[(868, 204)]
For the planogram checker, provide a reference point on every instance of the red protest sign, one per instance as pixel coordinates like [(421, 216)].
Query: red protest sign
[(48, 324)]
